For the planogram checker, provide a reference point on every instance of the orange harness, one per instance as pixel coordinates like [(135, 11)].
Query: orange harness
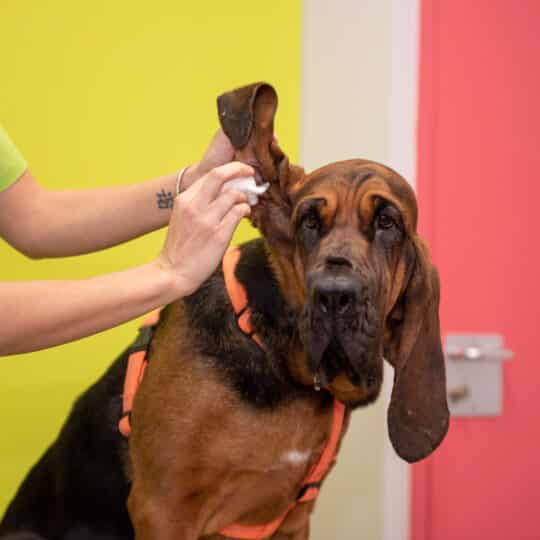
[(138, 361)]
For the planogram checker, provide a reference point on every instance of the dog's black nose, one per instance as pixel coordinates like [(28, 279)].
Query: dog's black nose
[(335, 262), (335, 295)]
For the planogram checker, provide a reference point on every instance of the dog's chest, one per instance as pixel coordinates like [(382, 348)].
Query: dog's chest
[(267, 457), (281, 441), (295, 457)]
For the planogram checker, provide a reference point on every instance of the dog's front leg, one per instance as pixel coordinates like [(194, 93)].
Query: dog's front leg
[(162, 518)]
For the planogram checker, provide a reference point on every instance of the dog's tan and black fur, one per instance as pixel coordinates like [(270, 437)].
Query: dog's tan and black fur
[(339, 281)]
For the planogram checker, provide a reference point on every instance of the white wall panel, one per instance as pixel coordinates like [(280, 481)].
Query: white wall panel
[(359, 94)]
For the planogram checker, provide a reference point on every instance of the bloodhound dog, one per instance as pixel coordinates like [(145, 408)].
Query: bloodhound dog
[(244, 402)]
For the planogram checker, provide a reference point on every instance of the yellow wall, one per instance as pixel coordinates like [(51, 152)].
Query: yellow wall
[(100, 93)]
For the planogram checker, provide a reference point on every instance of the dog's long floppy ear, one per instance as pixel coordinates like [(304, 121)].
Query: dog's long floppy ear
[(247, 118), (418, 412)]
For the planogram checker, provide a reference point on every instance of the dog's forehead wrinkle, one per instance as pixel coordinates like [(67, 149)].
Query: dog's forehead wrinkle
[(358, 177), (358, 172), (344, 196)]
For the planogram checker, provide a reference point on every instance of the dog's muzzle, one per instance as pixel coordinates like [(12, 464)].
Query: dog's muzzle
[(340, 327)]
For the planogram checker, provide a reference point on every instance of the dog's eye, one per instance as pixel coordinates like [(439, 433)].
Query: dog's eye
[(387, 226), (311, 220), (384, 221)]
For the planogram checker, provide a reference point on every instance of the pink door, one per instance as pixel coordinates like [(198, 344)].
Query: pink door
[(479, 190)]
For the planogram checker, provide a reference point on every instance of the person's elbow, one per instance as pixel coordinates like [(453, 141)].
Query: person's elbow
[(27, 247), (28, 212), (33, 252)]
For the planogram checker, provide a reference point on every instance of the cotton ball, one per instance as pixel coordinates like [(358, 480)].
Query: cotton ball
[(248, 186)]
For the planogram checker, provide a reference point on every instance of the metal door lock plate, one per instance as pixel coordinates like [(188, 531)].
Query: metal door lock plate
[(474, 374)]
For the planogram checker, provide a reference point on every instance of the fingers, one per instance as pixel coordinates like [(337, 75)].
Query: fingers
[(224, 202), (231, 221), (204, 201), (214, 180)]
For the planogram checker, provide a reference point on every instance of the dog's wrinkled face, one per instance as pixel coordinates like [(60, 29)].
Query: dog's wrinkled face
[(349, 230), (344, 241)]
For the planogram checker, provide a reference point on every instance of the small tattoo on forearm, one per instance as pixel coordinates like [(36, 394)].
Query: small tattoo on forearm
[(165, 199)]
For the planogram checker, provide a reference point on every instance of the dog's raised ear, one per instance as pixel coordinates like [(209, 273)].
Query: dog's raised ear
[(247, 118), (418, 412)]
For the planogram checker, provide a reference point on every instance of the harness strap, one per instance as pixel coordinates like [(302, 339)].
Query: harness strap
[(312, 483), (255, 532), (310, 486), (238, 296), (137, 362)]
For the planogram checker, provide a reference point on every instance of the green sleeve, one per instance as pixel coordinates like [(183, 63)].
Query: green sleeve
[(12, 163)]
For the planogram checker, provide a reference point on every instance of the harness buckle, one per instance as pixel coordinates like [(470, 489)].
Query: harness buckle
[(305, 488), (143, 339)]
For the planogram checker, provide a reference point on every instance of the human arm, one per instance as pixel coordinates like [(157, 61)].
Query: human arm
[(39, 314), (56, 223)]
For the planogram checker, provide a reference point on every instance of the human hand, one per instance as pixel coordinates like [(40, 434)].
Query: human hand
[(202, 222), (219, 152)]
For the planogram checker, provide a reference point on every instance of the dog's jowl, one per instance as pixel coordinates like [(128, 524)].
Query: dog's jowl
[(250, 382)]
